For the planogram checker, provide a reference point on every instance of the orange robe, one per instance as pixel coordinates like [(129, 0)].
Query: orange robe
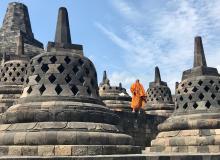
[(138, 96)]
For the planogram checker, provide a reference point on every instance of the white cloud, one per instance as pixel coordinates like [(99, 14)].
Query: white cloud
[(126, 9), (166, 40), (126, 78)]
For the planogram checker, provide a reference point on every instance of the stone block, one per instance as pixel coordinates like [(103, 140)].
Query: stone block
[(217, 131), (183, 149), (46, 150), (123, 149), (202, 149), (95, 150), (106, 150), (51, 138), (8, 138), (63, 150), (217, 139), (19, 138), (33, 138), (82, 138), (79, 150), (214, 148), (174, 149), (168, 149), (66, 138), (14, 150), (3, 150), (192, 149), (29, 150), (95, 138)]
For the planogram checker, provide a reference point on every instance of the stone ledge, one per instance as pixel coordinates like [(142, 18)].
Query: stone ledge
[(67, 150), (183, 150), (121, 157)]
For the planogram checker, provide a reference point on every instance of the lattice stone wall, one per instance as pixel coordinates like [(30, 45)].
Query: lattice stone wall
[(161, 94), (76, 74), (198, 93), (13, 72)]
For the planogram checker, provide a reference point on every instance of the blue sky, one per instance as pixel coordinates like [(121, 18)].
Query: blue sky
[(128, 38)]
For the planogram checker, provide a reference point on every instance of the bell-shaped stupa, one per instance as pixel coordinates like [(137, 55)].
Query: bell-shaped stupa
[(12, 76), (115, 97), (194, 125), (159, 98)]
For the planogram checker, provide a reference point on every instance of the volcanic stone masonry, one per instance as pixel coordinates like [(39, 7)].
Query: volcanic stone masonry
[(52, 108), (194, 126), (60, 112), (12, 76), (142, 127), (159, 98), (17, 23), (115, 97)]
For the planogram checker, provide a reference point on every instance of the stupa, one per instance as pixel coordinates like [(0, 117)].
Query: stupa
[(195, 123), (12, 76), (60, 112), (115, 97), (159, 98), (17, 23)]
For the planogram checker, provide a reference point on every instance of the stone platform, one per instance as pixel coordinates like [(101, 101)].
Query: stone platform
[(151, 156)]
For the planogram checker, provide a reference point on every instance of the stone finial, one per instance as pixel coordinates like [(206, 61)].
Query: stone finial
[(104, 76), (20, 46), (120, 85), (63, 37), (105, 79), (63, 29), (157, 78), (17, 18), (199, 56)]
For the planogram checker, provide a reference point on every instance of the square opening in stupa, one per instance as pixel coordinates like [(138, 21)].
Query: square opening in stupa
[(52, 106)]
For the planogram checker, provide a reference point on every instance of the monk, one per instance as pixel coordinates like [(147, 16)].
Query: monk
[(138, 96)]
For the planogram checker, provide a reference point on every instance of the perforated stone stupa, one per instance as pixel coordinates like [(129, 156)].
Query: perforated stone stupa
[(17, 23), (115, 97), (159, 98), (60, 112), (195, 125), (12, 76)]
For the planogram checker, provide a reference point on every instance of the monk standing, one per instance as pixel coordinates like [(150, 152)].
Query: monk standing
[(138, 96)]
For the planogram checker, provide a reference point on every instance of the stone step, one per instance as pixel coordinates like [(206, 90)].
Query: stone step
[(66, 150)]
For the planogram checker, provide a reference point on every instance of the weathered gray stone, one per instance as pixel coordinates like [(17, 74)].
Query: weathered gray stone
[(196, 115), (17, 23), (159, 98), (63, 29), (115, 97), (46, 150), (60, 104)]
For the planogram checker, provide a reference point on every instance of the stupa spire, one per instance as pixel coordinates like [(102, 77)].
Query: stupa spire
[(199, 56), (105, 79), (17, 18), (120, 85), (104, 76), (157, 78), (63, 29), (62, 36)]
